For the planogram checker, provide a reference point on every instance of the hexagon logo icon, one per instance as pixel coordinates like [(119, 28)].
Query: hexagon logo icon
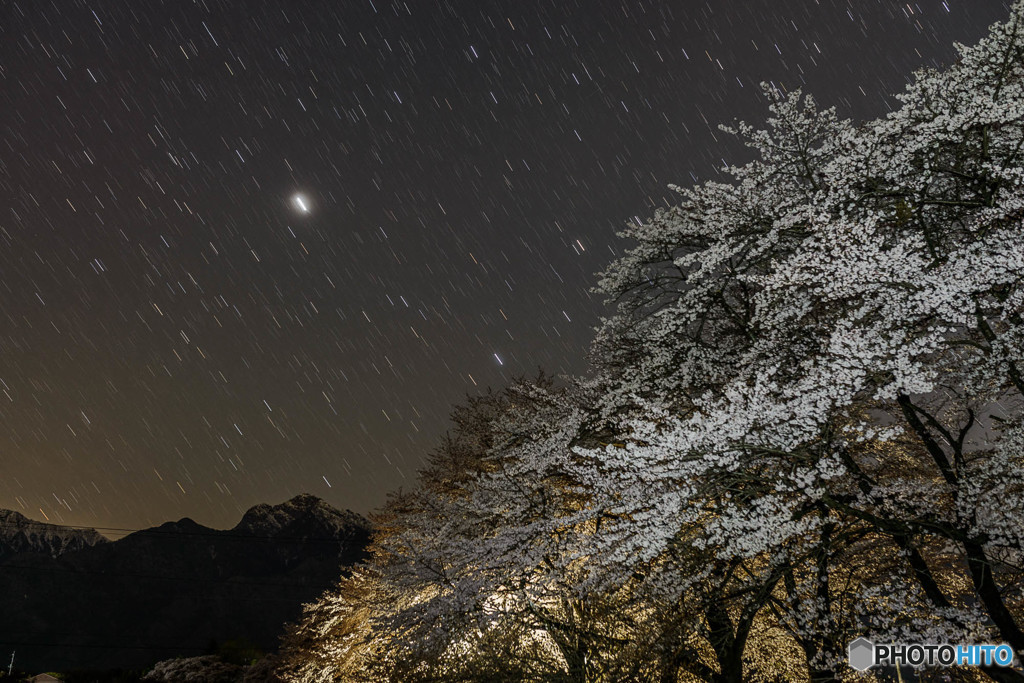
[(862, 654)]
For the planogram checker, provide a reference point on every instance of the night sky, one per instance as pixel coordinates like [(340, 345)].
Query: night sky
[(253, 249)]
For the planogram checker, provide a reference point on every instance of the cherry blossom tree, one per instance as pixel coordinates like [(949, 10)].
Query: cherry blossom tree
[(848, 307), (804, 423)]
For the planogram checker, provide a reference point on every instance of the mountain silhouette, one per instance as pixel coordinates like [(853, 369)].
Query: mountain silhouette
[(72, 600)]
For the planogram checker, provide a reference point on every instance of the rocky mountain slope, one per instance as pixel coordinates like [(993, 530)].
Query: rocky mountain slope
[(19, 534)]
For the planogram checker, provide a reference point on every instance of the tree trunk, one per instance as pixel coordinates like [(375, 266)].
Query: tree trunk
[(728, 650), (985, 585)]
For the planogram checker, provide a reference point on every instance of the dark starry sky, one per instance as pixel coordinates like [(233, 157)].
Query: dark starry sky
[(177, 337)]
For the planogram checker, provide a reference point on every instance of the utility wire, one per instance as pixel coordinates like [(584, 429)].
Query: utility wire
[(237, 579), (156, 532)]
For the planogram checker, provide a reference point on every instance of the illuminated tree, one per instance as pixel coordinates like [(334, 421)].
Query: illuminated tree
[(832, 342), (805, 424)]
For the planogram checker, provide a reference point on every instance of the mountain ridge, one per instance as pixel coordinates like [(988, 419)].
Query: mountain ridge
[(20, 534), (172, 589)]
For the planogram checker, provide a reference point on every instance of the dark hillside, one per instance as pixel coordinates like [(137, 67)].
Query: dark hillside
[(174, 589)]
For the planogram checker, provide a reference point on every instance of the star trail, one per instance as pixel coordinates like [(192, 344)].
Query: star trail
[(252, 249)]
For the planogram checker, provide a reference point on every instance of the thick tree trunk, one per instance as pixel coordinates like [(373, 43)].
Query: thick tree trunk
[(728, 650), (986, 588)]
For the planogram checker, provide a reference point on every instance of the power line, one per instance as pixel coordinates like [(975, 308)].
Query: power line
[(30, 643), (212, 533), (239, 580)]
